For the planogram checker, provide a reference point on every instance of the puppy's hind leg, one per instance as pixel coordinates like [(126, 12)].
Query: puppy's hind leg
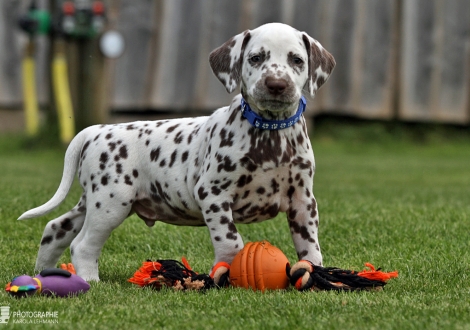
[(58, 234), (86, 247)]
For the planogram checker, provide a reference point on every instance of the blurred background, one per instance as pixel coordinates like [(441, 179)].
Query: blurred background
[(108, 61)]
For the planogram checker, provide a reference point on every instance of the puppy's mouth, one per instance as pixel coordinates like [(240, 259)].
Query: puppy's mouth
[(265, 102), (273, 105)]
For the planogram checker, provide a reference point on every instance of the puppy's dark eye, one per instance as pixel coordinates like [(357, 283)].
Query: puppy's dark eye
[(297, 60), (255, 59)]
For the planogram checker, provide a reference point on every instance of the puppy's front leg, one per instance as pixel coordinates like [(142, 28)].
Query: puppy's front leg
[(224, 235), (303, 222)]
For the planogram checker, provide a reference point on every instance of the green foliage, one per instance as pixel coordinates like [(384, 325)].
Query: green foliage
[(384, 197)]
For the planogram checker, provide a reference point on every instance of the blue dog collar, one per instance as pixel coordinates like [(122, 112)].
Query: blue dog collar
[(273, 125)]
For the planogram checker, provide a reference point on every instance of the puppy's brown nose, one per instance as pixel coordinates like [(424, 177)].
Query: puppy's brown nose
[(275, 86)]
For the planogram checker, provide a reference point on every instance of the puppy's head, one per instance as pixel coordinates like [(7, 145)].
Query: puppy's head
[(273, 64)]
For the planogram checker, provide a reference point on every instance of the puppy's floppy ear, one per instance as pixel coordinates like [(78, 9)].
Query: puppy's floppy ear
[(226, 61), (320, 64)]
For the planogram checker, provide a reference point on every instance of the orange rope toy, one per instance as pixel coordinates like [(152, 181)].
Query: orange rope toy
[(303, 275)]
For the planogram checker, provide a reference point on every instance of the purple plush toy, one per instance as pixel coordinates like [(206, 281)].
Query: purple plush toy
[(50, 282)]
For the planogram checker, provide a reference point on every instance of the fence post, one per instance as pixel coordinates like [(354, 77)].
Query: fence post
[(397, 54)]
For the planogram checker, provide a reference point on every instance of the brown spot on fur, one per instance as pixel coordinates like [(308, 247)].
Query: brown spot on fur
[(226, 206), (66, 224), (225, 164), (201, 193), (184, 156), (173, 158), (103, 160), (179, 137), (172, 128), (226, 138), (112, 146), (154, 154), (123, 152), (302, 254), (215, 190), (46, 240), (226, 185), (264, 147), (85, 147)]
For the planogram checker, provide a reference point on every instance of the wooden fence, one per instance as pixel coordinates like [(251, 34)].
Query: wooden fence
[(396, 59)]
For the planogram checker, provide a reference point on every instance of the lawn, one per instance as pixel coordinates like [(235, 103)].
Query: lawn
[(393, 195)]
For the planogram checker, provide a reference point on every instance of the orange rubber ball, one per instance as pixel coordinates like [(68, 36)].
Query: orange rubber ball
[(259, 266)]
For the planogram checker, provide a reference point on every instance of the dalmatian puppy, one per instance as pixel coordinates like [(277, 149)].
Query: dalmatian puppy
[(245, 163)]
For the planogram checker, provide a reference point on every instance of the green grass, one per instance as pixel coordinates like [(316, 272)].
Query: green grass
[(393, 195)]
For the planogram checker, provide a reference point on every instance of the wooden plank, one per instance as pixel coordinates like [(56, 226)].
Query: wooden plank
[(218, 29), (417, 59), (183, 79), (187, 55), (341, 38), (135, 22), (374, 97), (170, 90), (10, 54), (435, 71), (359, 34), (309, 17), (266, 11), (163, 70), (454, 85)]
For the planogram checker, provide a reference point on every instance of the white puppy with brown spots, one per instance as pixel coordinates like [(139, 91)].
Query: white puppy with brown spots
[(245, 163)]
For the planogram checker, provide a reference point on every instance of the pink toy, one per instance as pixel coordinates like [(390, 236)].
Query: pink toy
[(49, 282)]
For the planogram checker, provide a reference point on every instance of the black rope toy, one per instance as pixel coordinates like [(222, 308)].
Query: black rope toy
[(303, 275)]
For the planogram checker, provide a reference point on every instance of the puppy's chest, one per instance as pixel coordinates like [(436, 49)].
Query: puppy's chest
[(272, 187), (259, 153), (261, 174)]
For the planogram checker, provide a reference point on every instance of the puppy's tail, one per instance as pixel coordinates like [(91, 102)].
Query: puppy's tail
[(72, 156)]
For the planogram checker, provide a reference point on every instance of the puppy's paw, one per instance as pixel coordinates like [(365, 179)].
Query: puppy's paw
[(220, 274), (300, 275)]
